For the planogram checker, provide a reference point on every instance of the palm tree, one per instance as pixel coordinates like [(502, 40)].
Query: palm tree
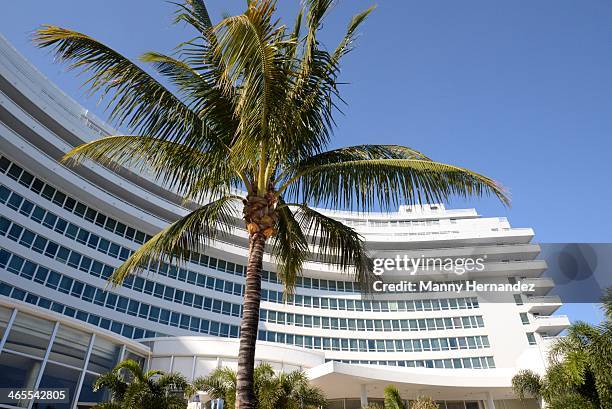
[(393, 400), (579, 374), (131, 388), (297, 393), (250, 108), (272, 391)]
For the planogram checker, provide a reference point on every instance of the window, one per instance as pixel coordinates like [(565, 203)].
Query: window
[(531, 338)]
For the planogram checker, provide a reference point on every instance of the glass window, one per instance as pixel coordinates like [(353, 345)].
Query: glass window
[(27, 238), (18, 371), (49, 220), (120, 229), (28, 269), (531, 338), (14, 201), (88, 395), (4, 225), (29, 335), (56, 376), (65, 284), (39, 244), (471, 342), (110, 224), (15, 232), (48, 192), (159, 290), (26, 208), (70, 346), (63, 254), (104, 355), (4, 194), (90, 215)]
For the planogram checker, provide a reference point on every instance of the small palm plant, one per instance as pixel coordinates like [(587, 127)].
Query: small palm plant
[(131, 388), (424, 402), (297, 393), (250, 107), (393, 400), (273, 391), (579, 375)]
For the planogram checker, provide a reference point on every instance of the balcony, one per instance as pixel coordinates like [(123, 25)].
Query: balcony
[(542, 285), (544, 305), (552, 325)]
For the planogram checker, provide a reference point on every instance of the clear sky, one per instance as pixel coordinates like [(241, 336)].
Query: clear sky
[(518, 90)]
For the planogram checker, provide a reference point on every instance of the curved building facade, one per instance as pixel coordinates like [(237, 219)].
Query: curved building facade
[(64, 229)]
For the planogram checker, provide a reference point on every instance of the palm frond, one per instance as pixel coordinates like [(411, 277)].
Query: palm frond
[(527, 383), (172, 381), (393, 400), (200, 13), (290, 248), (219, 384), (345, 45), (133, 368), (197, 82), (314, 91), (248, 47), (317, 9), (579, 336), (363, 184), (267, 388), (178, 72), (294, 38), (113, 382), (176, 242), (136, 99), (245, 45), (335, 243), (168, 162), (351, 153)]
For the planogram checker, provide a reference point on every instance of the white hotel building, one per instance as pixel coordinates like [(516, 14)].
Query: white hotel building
[(63, 231)]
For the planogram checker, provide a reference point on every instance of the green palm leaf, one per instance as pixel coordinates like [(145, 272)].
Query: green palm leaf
[(393, 400), (176, 242), (219, 384), (290, 248), (197, 9), (335, 243), (169, 162), (362, 184), (137, 99), (527, 383)]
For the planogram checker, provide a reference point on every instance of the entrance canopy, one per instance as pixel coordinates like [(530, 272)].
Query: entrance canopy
[(340, 380)]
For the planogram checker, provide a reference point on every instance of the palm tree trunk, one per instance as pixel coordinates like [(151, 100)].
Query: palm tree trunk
[(245, 392)]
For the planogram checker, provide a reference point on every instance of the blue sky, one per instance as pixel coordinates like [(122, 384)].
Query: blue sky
[(518, 90)]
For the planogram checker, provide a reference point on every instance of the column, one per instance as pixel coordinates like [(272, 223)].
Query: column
[(77, 391), (364, 395), (490, 404)]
